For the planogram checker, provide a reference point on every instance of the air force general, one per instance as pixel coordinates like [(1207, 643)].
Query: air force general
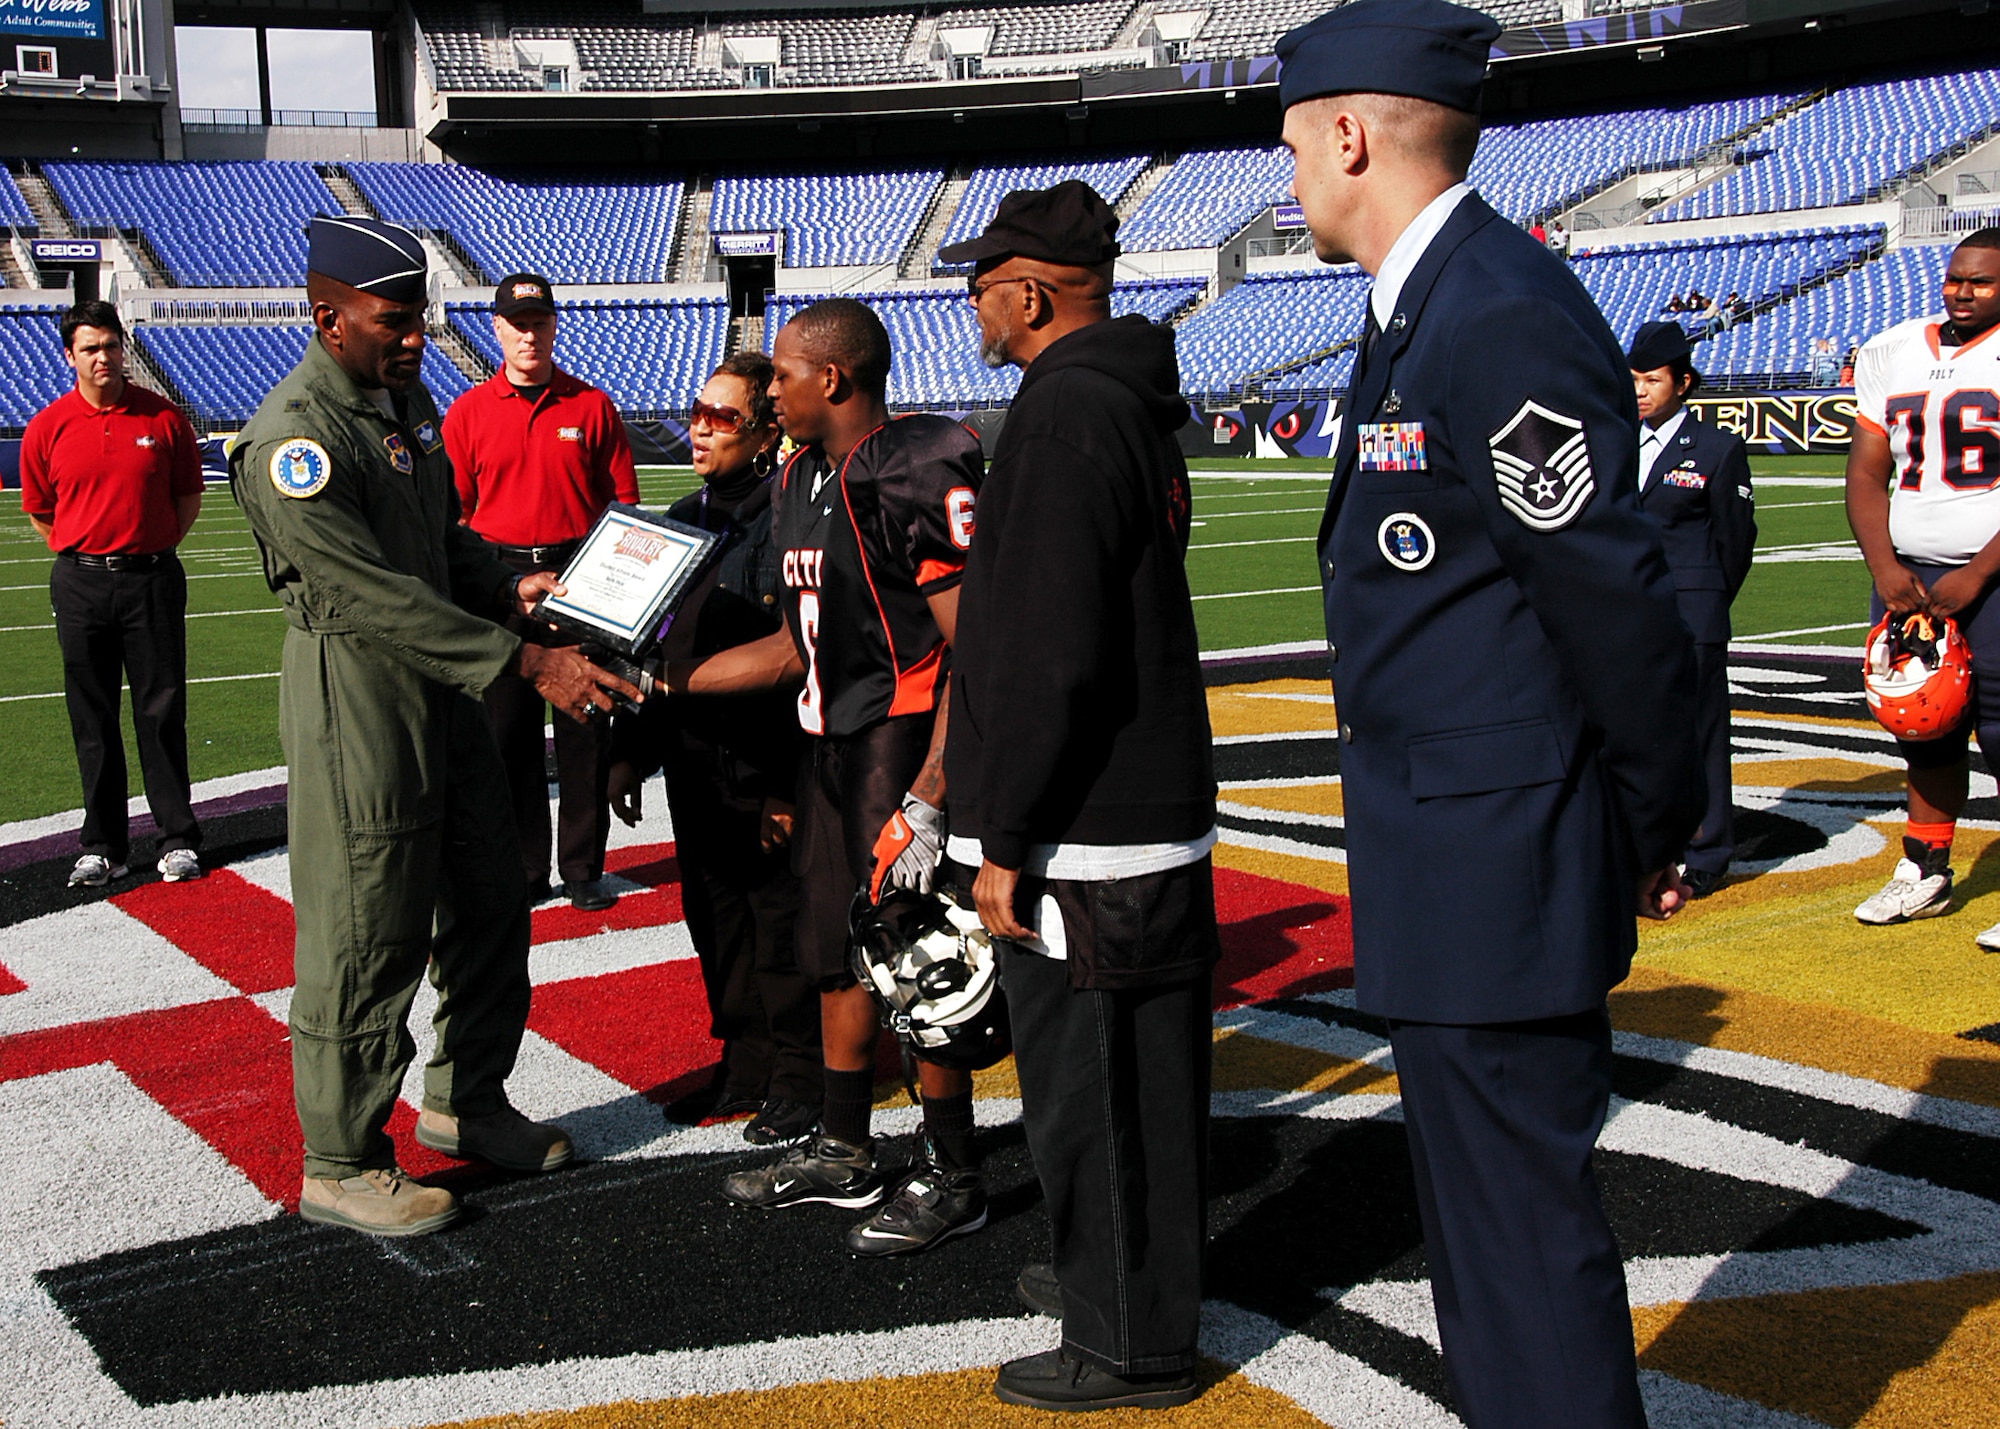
[(1516, 700)]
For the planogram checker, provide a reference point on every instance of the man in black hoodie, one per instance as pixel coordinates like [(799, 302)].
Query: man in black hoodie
[(1082, 791)]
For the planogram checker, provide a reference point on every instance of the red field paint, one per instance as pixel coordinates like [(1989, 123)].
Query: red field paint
[(647, 1027), (10, 983), (1279, 939), (238, 931)]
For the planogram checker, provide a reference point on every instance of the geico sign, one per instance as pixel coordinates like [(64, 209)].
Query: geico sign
[(65, 250)]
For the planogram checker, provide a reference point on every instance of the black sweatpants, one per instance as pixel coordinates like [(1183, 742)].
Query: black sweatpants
[(742, 908), (1114, 1096), (583, 770), (114, 627)]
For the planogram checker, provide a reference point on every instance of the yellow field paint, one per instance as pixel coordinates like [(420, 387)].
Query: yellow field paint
[(1819, 776), (1267, 707), (1244, 1063), (1831, 1038), (1297, 799), (1794, 937), (1925, 1353), (1322, 874), (963, 1400)]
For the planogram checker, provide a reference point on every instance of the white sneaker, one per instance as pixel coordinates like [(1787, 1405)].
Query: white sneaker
[(94, 870), (1990, 939), (177, 865), (1908, 895)]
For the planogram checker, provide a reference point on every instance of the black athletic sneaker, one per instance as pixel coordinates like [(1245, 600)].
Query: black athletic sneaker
[(818, 1170), (781, 1120), (933, 1204), (1052, 1380)]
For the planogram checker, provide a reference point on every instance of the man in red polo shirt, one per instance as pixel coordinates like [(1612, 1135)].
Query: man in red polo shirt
[(111, 479), (538, 455)]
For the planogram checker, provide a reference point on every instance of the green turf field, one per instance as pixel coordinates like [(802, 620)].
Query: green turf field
[(1250, 564)]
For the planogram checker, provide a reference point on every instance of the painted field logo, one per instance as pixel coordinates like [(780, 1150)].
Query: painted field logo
[(643, 546)]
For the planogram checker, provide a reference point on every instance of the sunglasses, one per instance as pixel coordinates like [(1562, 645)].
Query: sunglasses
[(723, 419)]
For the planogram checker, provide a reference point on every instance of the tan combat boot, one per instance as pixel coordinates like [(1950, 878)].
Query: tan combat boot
[(503, 1138), (380, 1202)]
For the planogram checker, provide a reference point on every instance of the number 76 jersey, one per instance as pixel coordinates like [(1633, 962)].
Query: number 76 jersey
[(1940, 409), (865, 546)]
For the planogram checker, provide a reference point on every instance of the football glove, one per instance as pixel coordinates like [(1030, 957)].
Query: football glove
[(908, 849)]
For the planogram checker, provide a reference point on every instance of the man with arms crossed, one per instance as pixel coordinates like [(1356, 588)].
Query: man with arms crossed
[(873, 519), (1922, 499), (111, 479), (1516, 699), (538, 455), (1083, 793), (403, 852)]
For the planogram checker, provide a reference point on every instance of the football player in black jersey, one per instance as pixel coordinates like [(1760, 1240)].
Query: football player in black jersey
[(873, 519)]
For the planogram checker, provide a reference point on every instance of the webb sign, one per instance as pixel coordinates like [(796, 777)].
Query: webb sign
[(59, 19)]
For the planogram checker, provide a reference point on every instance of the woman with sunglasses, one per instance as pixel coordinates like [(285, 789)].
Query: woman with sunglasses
[(730, 763)]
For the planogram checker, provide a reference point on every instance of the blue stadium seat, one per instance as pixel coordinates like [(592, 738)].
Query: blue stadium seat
[(649, 356), (991, 183), (572, 228), (224, 372), (32, 371), (829, 220)]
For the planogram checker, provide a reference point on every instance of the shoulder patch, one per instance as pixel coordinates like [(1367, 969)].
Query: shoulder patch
[(1541, 463), (427, 434), (295, 404), (399, 455), (301, 468)]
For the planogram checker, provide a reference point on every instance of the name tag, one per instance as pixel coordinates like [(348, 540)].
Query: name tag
[(1391, 446), (569, 434)]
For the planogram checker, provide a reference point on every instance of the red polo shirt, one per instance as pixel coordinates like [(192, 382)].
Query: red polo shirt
[(534, 474), (107, 480)]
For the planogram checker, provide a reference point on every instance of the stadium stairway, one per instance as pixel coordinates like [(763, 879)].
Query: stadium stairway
[(936, 223), (745, 335), (445, 256), (470, 364), (352, 200), (152, 375), (43, 203), (688, 261), (1142, 187)]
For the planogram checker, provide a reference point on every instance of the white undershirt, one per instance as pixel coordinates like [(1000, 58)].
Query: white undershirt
[(1080, 863), (1653, 440), (1408, 250)]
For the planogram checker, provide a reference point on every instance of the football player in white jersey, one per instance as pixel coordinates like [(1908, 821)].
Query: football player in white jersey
[(1923, 497)]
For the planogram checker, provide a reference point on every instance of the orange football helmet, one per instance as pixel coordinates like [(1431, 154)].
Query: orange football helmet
[(1918, 674)]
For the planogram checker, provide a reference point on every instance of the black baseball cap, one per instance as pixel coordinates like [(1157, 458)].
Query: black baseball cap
[(1069, 224), (523, 292)]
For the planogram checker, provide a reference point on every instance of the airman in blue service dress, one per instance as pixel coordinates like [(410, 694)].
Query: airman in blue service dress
[(1694, 481), (1516, 711)]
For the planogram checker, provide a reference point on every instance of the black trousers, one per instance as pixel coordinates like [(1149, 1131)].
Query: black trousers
[(742, 909), (1715, 842), (1114, 1096), (1525, 1273), (583, 771), (114, 627)]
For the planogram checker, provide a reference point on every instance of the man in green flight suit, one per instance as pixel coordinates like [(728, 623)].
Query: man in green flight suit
[(403, 850)]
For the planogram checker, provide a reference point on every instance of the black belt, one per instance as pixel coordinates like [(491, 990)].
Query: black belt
[(555, 555), (115, 563)]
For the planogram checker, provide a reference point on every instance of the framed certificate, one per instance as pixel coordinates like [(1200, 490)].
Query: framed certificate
[(626, 578)]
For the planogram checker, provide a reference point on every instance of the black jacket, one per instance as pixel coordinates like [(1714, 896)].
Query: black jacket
[(1077, 710), (1699, 493), (747, 746)]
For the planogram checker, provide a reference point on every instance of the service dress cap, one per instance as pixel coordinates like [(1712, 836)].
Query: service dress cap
[(385, 259), (1426, 49), (1656, 345), (1069, 224), (523, 293)]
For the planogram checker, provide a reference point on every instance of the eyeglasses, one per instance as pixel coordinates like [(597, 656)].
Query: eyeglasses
[(975, 290), (722, 419), (1977, 285)]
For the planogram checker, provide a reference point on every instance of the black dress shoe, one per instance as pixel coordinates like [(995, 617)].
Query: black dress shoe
[(1052, 1380), (1701, 882), (1037, 1288), (781, 1120), (591, 897)]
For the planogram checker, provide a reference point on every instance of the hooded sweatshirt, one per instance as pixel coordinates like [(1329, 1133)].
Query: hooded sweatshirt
[(1077, 709)]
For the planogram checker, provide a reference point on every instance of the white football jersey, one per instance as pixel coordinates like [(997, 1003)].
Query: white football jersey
[(1940, 408)]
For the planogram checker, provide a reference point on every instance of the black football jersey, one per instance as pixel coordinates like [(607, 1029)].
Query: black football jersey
[(864, 547)]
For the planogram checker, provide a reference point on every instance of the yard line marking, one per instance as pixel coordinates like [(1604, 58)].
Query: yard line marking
[(1240, 594), (1266, 541), (203, 680), (1281, 511), (191, 615), (218, 576), (1808, 630)]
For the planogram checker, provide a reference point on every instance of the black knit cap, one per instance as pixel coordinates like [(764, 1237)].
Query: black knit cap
[(1069, 224)]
